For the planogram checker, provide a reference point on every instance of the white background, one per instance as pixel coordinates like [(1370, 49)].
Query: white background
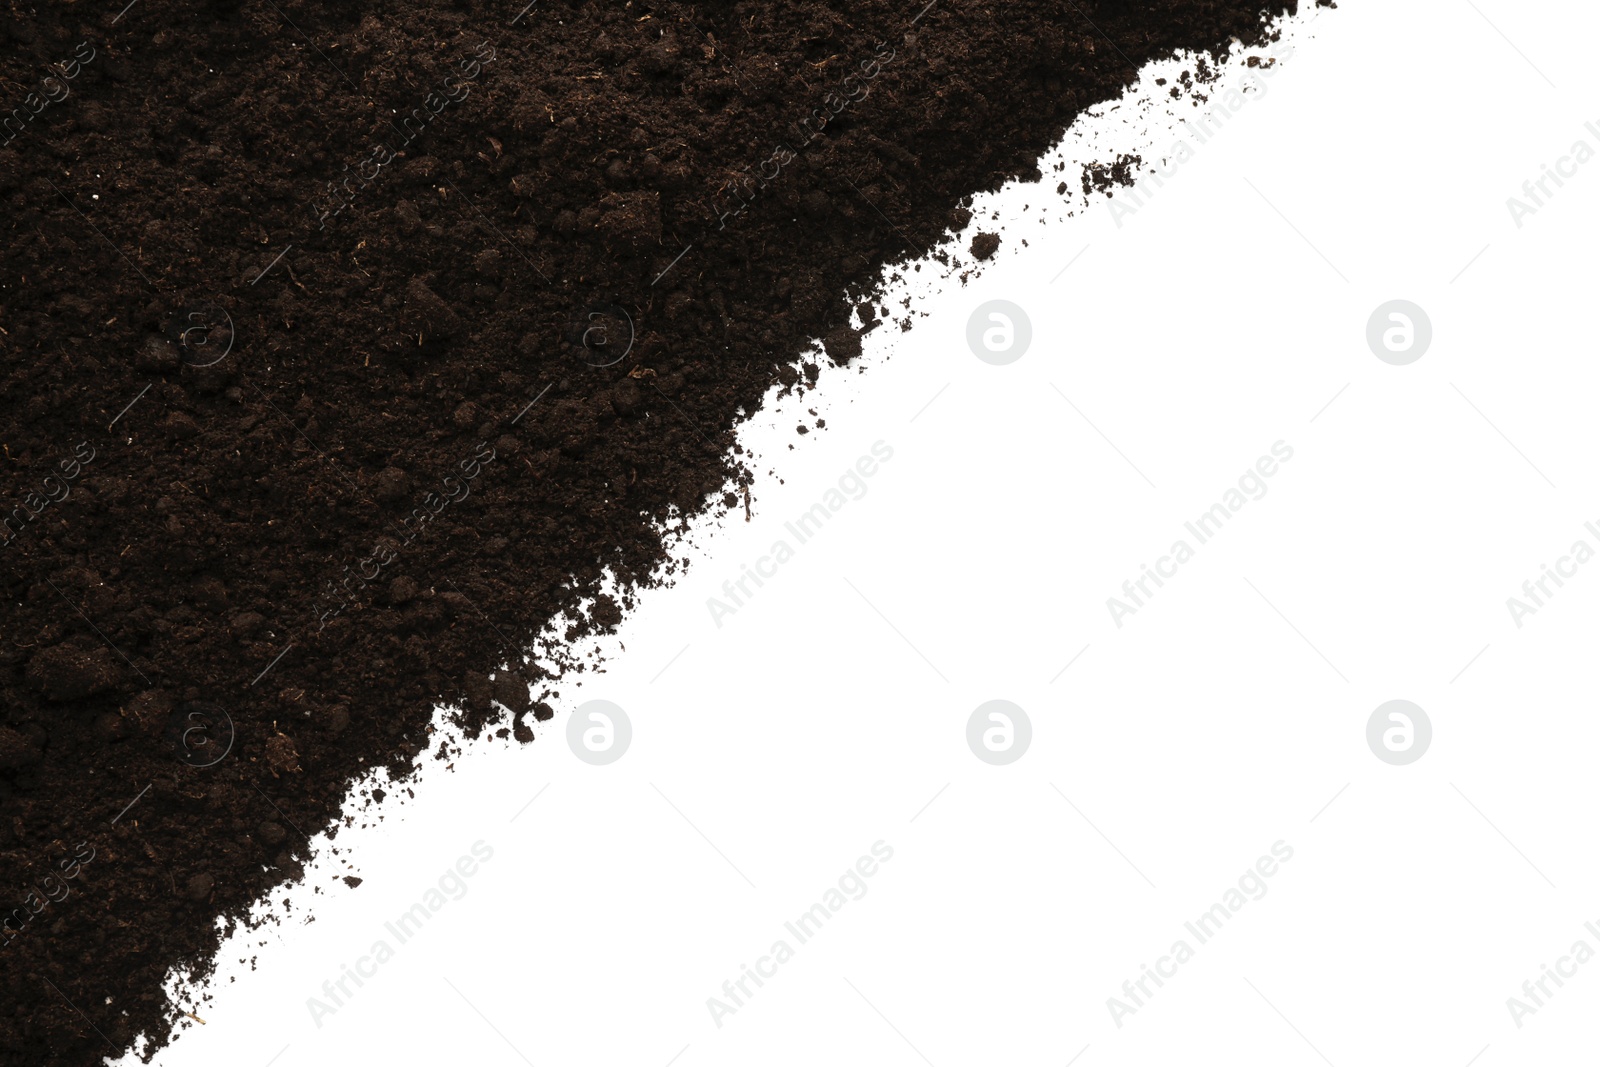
[(1229, 713)]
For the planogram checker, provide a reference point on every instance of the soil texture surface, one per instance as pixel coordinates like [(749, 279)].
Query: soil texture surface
[(343, 347)]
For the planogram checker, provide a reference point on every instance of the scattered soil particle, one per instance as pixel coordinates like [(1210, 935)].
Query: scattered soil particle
[(842, 344), (984, 245), (1104, 177)]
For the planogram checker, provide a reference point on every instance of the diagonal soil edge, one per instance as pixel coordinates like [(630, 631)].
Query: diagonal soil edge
[(279, 284)]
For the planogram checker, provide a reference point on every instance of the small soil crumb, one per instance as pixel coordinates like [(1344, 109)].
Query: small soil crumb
[(985, 245), (843, 345), (1101, 177), (281, 756)]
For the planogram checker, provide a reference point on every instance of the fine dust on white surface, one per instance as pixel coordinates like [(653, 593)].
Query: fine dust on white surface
[(818, 731)]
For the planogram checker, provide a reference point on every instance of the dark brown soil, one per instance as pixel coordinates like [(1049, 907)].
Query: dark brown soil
[(1105, 177), (984, 245), (342, 346)]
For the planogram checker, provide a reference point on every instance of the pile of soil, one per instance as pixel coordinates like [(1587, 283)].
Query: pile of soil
[(343, 346)]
